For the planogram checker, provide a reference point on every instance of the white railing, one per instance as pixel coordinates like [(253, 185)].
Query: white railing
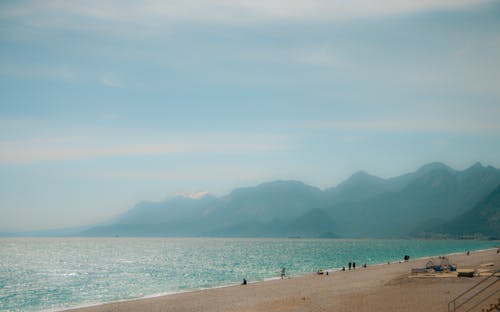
[(477, 294)]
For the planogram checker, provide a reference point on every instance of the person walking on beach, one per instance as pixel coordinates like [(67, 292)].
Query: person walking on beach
[(354, 265), (350, 264), (282, 273)]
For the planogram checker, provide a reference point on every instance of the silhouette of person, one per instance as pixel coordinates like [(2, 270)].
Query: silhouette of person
[(354, 265), (244, 281), (350, 264), (282, 273)]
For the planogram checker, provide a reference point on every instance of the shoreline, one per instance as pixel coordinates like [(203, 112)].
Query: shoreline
[(202, 295)]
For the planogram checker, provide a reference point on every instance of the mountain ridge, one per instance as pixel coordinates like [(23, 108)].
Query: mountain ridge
[(483, 219), (361, 206)]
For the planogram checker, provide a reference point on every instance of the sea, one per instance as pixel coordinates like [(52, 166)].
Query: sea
[(51, 274)]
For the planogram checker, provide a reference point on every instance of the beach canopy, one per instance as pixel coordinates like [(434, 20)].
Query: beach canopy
[(429, 264)]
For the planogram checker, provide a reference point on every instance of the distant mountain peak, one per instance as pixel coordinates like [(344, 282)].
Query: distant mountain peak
[(476, 168), (281, 185), (196, 195), (361, 177), (363, 205), (477, 165), (434, 166), (282, 182), (361, 173)]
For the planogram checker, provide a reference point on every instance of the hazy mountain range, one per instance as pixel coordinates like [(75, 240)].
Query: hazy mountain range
[(435, 201)]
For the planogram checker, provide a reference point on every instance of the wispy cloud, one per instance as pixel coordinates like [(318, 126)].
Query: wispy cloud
[(408, 124), (201, 173), (154, 13), (65, 149), (110, 81), (323, 56), (27, 152), (54, 72)]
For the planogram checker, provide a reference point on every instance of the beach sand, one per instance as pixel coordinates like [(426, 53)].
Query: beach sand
[(387, 287)]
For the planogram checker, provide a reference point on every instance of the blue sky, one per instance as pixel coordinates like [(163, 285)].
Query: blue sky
[(107, 103)]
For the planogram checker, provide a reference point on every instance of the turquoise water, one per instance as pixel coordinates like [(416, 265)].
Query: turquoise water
[(54, 273)]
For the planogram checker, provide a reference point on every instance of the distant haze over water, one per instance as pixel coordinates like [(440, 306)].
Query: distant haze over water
[(53, 273)]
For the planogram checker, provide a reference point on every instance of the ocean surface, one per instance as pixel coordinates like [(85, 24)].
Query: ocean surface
[(38, 274)]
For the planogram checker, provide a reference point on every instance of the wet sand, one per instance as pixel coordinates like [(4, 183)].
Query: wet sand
[(387, 287)]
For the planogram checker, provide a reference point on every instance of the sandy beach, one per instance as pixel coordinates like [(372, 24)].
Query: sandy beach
[(386, 287)]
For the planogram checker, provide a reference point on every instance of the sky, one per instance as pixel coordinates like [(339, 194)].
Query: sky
[(104, 104)]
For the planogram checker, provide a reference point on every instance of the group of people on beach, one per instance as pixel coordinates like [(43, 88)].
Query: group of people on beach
[(351, 265), (282, 277)]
